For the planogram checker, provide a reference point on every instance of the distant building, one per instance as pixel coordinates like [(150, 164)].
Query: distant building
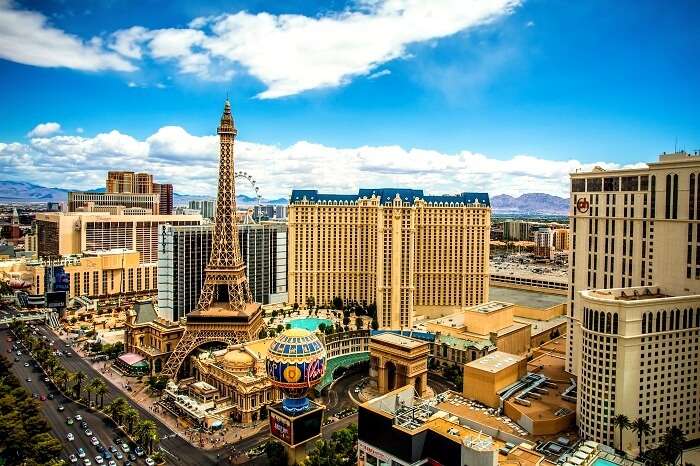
[(271, 212), (519, 230), (544, 243), (561, 239), (126, 189), (408, 252), (207, 208), (183, 254)]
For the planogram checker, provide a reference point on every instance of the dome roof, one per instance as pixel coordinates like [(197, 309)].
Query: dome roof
[(296, 343), (238, 359)]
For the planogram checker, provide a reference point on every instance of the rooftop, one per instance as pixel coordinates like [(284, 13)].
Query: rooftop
[(495, 362), (488, 307), (461, 343), (387, 195), (398, 340)]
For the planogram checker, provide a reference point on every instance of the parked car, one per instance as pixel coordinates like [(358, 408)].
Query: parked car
[(81, 452), (150, 462), (125, 448), (139, 451), (78, 417), (99, 460), (61, 407), (94, 441), (73, 458), (70, 421), (70, 437), (88, 432)]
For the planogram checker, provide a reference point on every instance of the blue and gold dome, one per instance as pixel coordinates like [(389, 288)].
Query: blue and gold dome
[(296, 361)]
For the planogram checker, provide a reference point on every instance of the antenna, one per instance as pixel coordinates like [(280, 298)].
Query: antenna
[(675, 146)]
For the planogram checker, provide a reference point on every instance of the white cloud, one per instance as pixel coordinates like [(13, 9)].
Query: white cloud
[(132, 84), (79, 130), (44, 129), (530, 24), (26, 37), (379, 74), (293, 53), (190, 162)]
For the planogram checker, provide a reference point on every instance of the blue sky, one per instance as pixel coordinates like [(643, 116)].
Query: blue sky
[(384, 89)]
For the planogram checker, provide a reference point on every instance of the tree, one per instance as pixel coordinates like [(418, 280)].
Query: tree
[(346, 321), (45, 447), (642, 428), (622, 422), (89, 389), (375, 324), (337, 302), (116, 409), (131, 417), (274, 313), (340, 450), (276, 454), (280, 328), (78, 379), (358, 323), (296, 306), (60, 377), (372, 310), (322, 327), (100, 390), (147, 434), (310, 302), (288, 326), (673, 443)]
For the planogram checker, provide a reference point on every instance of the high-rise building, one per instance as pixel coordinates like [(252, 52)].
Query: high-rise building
[(183, 253), (561, 239), (61, 234), (207, 208), (544, 243), (270, 211), (165, 193), (407, 252), (127, 190), (635, 298)]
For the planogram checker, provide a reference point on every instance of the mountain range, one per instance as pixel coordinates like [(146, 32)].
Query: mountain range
[(530, 203), (20, 191)]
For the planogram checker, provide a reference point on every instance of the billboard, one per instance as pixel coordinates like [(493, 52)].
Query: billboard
[(56, 279), (281, 428), (56, 299)]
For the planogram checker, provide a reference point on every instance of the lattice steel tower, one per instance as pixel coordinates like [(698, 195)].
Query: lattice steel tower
[(225, 311)]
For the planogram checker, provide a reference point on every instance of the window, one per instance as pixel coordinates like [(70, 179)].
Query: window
[(611, 184)]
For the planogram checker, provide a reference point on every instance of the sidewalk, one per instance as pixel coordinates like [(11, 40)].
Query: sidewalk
[(140, 395)]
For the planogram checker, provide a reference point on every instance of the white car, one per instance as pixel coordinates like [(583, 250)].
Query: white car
[(88, 432), (78, 417), (87, 462), (70, 437), (150, 462), (125, 447), (81, 453), (112, 463), (73, 458), (99, 460), (94, 441)]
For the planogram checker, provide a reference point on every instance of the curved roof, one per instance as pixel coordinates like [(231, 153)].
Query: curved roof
[(295, 343), (387, 195)]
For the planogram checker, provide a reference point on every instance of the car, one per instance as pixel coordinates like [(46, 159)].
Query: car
[(83, 425), (50, 396), (113, 449), (73, 458), (125, 448), (17, 359), (61, 407), (70, 437), (70, 421), (128, 463), (118, 455), (9, 350), (87, 462), (112, 463), (100, 448), (99, 460), (150, 462), (94, 441), (81, 452), (35, 395), (132, 457), (106, 454), (19, 353), (78, 417), (26, 364), (42, 397), (88, 432), (29, 379), (139, 451)]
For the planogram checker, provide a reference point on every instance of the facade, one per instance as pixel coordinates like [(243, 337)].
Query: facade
[(487, 376), (129, 182), (562, 239), (165, 193), (635, 248), (149, 336), (183, 254), (184, 251), (407, 252), (87, 200), (519, 230), (544, 243), (272, 211), (74, 233)]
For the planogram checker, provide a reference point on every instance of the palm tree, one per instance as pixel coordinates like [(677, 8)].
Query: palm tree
[(622, 422), (78, 378), (89, 389), (673, 442), (131, 416), (642, 428), (147, 434), (100, 390), (116, 409), (60, 377)]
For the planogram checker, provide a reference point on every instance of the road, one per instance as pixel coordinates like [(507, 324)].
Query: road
[(184, 453)]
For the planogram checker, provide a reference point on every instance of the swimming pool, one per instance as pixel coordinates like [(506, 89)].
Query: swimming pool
[(602, 462), (309, 323)]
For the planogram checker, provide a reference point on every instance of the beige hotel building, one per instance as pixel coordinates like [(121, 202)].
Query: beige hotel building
[(407, 252), (635, 298)]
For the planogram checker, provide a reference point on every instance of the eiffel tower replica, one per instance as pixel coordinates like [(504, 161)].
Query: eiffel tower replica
[(225, 312)]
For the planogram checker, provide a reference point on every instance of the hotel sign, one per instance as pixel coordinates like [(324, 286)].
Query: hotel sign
[(582, 205)]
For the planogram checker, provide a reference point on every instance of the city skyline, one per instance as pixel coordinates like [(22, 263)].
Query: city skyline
[(518, 97)]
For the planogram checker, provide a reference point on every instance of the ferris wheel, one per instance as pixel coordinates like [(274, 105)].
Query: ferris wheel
[(249, 178)]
